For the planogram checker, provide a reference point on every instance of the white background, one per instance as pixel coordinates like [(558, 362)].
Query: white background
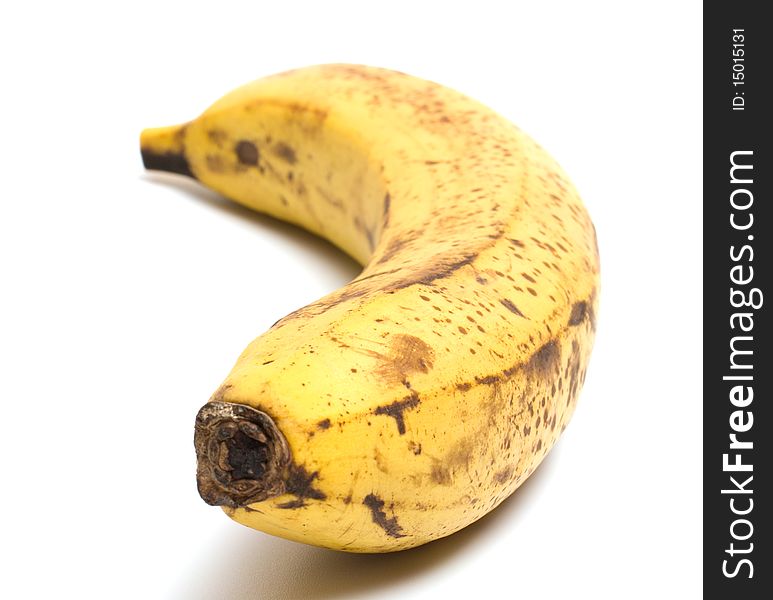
[(128, 296)]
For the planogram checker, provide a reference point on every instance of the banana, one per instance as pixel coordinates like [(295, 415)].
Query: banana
[(415, 399)]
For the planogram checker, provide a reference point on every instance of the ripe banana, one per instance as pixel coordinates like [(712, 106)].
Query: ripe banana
[(412, 401)]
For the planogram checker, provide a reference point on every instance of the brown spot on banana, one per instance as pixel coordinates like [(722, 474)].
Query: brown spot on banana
[(389, 525), (407, 355), (381, 463), (396, 409), (217, 136), (504, 475), (215, 163), (285, 152), (247, 153), (579, 310), (511, 307), (292, 504), (385, 211), (414, 447), (300, 483), (441, 474), (545, 360), (458, 457)]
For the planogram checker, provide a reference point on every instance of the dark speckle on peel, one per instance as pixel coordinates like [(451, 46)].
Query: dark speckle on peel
[(511, 307), (300, 483), (504, 475), (286, 153), (297, 503), (389, 525), (546, 358), (247, 153), (387, 205), (396, 408), (579, 310)]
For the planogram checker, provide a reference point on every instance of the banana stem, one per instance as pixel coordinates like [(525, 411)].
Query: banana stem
[(242, 456), (163, 149)]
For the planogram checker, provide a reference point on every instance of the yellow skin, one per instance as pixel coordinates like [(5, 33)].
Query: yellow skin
[(419, 396)]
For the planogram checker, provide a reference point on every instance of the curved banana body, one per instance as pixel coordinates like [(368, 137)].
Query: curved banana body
[(415, 399)]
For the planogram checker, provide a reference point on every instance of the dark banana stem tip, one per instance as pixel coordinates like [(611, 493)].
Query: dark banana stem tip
[(172, 162), (242, 456)]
